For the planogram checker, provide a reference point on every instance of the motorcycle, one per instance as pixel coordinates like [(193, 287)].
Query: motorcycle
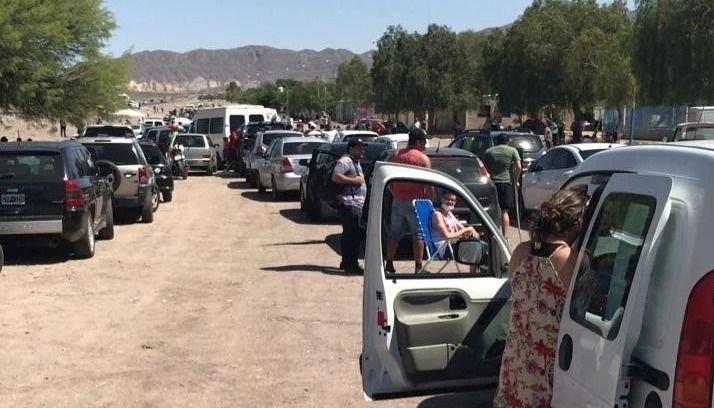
[(178, 162)]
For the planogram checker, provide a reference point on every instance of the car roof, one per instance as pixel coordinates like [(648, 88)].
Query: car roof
[(302, 139), (397, 137), (108, 139), (697, 124), (107, 126), (269, 132), (358, 132), (583, 147), (443, 152), (13, 146), (191, 134)]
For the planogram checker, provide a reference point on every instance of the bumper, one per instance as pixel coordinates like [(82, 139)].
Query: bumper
[(71, 227), (198, 163), (287, 182), (138, 201)]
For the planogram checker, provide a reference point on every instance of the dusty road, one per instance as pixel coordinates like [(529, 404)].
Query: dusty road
[(227, 300)]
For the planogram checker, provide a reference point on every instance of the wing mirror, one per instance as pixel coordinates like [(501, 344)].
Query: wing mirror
[(471, 252), (535, 168), (304, 162)]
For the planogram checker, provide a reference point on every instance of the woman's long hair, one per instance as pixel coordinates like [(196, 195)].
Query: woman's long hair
[(561, 213)]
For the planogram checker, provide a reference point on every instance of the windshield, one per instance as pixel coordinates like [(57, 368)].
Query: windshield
[(464, 169), (117, 153), (153, 154), (365, 137), (42, 166), (587, 153), (190, 141), (529, 144), (108, 131), (298, 148), (269, 137), (702, 133)]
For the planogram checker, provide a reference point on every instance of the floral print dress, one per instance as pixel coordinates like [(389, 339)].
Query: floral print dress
[(537, 299)]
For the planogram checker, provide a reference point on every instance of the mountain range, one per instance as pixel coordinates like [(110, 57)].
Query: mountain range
[(197, 70)]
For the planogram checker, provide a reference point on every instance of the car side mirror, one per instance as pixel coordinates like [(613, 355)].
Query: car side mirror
[(535, 168), (471, 252), (304, 162)]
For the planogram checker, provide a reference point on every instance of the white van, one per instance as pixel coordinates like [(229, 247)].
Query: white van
[(637, 329), (218, 122)]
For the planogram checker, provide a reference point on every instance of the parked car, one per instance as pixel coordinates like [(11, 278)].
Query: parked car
[(638, 320), (162, 170), (345, 136), (135, 187), (314, 178), (260, 146), (52, 193), (529, 146), (108, 131), (396, 141), (138, 130), (161, 136), (547, 174), (199, 152), (246, 142), (692, 131), (133, 104), (154, 122), (277, 169), (463, 166)]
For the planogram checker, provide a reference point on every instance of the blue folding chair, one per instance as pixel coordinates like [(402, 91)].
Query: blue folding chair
[(424, 210)]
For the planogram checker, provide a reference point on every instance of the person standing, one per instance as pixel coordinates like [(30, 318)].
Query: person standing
[(539, 275), (504, 164), (403, 193), (348, 173), (577, 128), (63, 128)]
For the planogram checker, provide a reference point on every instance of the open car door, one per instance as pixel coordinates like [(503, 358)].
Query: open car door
[(604, 309), (442, 328)]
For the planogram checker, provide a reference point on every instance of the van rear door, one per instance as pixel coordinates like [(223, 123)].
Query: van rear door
[(603, 312), (32, 184)]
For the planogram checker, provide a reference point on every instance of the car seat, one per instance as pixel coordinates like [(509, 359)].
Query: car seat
[(424, 210)]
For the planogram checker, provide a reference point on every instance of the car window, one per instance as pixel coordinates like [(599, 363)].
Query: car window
[(475, 143), (216, 125), (422, 216), (269, 137), (402, 145), (190, 141), (587, 153), (108, 131), (464, 169), (300, 148), (117, 153), (545, 162), (153, 154), (255, 118), (702, 133), (202, 126), (571, 162), (91, 167), (235, 122), (560, 160), (35, 166), (613, 251), (365, 137), (529, 143)]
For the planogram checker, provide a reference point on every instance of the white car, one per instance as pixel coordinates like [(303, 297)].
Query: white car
[(547, 174), (133, 104), (397, 140), (345, 136), (637, 328)]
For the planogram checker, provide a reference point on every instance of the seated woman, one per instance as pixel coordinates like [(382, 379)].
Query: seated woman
[(446, 227)]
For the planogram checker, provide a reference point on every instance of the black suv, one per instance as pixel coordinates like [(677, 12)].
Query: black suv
[(161, 167), (52, 193)]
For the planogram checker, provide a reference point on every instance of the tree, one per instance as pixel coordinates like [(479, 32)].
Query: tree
[(233, 92), (392, 66), (52, 65), (673, 56), (353, 82)]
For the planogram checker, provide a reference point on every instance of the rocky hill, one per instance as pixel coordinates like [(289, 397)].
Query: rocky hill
[(197, 70)]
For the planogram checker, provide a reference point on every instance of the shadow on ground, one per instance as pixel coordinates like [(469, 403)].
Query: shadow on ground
[(16, 256), (327, 270), (300, 217), (476, 399), (238, 185), (256, 196)]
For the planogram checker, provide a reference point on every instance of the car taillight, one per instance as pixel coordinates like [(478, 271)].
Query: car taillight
[(74, 197), (695, 360), (259, 149), (206, 155), (143, 175), (286, 166), (482, 170)]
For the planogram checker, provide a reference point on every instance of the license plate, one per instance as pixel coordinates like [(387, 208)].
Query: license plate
[(12, 199)]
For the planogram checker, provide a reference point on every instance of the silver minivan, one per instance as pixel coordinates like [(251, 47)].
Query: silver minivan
[(199, 151)]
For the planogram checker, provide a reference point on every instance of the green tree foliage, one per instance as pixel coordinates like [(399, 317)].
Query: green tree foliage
[(353, 82), (562, 53), (233, 92), (392, 67), (674, 51), (52, 64)]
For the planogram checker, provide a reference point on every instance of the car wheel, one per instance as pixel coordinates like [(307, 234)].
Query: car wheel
[(167, 196), (209, 171), (84, 248), (147, 214), (303, 204), (185, 173), (108, 231), (261, 187), (254, 178), (111, 172), (277, 195), (155, 199)]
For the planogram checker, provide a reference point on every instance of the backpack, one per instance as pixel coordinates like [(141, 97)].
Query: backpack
[(331, 190)]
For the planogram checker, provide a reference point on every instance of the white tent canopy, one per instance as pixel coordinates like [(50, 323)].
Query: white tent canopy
[(128, 113)]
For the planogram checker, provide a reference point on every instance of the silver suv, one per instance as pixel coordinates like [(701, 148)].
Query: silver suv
[(133, 180)]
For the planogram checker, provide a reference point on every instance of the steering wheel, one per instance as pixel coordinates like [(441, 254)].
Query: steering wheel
[(111, 172)]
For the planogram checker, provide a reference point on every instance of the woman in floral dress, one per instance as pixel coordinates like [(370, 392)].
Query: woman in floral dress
[(539, 274)]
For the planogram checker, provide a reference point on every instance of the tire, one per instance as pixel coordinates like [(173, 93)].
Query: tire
[(84, 248), (277, 195), (261, 188), (155, 199), (185, 173), (111, 172), (108, 231), (2, 257), (147, 214), (253, 179), (209, 171), (303, 204), (167, 196)]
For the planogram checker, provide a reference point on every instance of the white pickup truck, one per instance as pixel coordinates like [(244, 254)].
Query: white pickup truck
[(637, 328)]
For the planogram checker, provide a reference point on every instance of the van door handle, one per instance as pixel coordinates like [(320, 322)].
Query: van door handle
[(448, 316), (129, 175)]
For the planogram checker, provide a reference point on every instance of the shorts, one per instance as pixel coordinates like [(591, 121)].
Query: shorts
[(506, 195), (403, 218)]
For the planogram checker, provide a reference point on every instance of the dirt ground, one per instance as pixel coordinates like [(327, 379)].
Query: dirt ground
[(226, 300)]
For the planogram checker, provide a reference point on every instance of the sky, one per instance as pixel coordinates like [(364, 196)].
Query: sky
[(183, 25)]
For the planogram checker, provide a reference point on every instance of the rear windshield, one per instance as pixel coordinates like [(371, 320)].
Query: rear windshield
[(190, 141), (587, 153), (296, 148), (153, 154), (117, 153), (367, 137), (529, 144), (268, 138), (108, 131), (464, 169), (41, 166)]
